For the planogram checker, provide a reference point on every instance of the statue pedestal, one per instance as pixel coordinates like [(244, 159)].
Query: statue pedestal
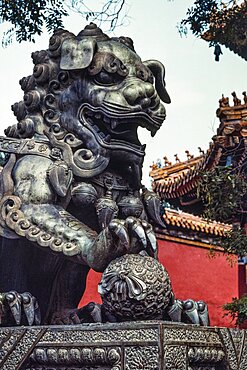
[(135, 345)]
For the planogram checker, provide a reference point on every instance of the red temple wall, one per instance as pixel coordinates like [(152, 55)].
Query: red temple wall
[(242, 279), (193, 274), (196, 275)]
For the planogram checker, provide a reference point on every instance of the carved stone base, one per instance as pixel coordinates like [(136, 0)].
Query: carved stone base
[(135, 345)]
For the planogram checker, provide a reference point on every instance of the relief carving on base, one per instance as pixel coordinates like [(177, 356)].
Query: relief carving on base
[(142, 357), (152, 345)]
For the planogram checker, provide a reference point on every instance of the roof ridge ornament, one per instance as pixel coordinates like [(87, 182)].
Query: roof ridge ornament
[(236, 101)]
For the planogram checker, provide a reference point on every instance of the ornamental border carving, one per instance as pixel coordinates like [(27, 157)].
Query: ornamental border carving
[(153, 345)]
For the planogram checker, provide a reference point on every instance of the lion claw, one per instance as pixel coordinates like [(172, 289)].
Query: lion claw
[(135, 226), (31, 309), (151, 238), (20, 307), (188, 311), (13, 301), (117, 228), (134, 229)]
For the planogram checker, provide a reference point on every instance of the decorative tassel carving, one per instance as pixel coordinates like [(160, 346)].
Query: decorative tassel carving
[(106, 207)]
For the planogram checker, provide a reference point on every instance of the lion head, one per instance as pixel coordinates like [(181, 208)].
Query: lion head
[(88, 94)]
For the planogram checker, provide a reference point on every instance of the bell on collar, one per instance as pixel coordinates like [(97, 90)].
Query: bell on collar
[(84, 194), (130, 205), (106, 207)]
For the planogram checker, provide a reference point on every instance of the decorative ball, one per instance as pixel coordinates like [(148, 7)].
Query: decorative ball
[(84, 194), (130, 206), (135, 287)]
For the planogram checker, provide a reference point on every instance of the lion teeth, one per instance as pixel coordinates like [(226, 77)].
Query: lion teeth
[(108, 138), (114, 124), (98, 115), (106, 119)]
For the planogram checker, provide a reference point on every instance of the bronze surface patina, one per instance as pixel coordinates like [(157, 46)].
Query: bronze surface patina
[(71, 194)]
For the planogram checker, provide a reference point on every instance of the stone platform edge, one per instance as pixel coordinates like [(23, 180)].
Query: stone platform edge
[(148, 345)]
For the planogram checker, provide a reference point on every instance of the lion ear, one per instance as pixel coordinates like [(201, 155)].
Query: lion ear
[(77, 54), (158, 71)]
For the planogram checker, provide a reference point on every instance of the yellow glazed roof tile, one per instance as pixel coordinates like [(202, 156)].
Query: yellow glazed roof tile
[(189, 221)]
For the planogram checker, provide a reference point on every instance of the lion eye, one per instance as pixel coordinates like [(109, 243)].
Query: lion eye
[(104, 78), (144, 74)]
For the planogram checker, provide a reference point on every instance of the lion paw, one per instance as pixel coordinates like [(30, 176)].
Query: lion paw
[(134, 229), (189, 311), (86, 314), (19, 309)]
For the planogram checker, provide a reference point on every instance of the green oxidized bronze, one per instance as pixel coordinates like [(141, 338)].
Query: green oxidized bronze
[(71, 166)]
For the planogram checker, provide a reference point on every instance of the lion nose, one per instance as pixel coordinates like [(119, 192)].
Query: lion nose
[(139, 93)]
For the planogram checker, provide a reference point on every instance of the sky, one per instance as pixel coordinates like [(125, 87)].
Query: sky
[(194, 80)]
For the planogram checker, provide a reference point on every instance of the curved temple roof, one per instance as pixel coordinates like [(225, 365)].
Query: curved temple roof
[(175, 180)]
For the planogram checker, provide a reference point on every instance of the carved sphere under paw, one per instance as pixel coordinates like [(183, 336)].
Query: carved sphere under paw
[(135, 287)]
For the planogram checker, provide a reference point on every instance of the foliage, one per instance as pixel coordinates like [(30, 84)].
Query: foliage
[(198, 16), (237, 309), (235, 242), (213, 14), (221, 191), (110, 12), (28, 17)]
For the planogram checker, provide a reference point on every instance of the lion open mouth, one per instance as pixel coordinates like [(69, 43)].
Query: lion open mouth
[(116, 125)]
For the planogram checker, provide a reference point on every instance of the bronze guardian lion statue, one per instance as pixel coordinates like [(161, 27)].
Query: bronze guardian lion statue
[(71, 194)]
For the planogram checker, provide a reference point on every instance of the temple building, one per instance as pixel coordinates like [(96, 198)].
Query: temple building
[(187, 239)]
